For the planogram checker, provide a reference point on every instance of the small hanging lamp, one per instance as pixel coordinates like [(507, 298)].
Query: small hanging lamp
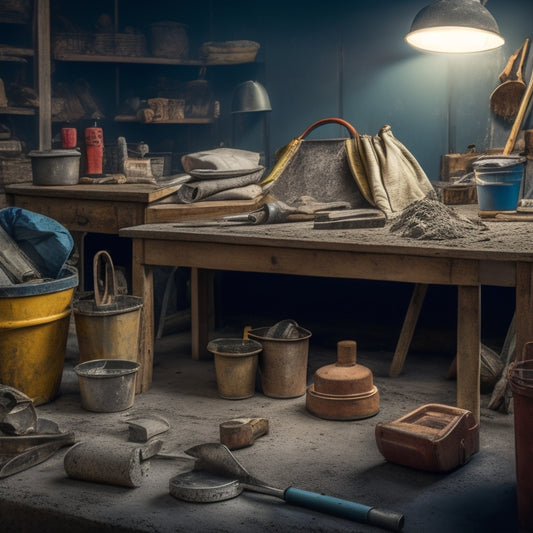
[(455, 26), (250, 97)]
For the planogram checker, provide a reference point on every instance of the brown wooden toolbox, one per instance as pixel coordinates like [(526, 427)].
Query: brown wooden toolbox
[(434, 437)]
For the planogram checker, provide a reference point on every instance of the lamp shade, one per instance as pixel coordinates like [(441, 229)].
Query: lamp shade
[(250, 97), (455, 26)]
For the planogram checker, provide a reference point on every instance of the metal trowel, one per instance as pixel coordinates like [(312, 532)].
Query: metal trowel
[(217, 460), (203, 487)]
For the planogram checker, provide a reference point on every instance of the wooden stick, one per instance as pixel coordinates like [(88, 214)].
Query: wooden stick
[(408, 329), (519, 117)]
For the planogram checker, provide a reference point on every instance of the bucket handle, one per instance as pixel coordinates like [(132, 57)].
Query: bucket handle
[(105, 282)]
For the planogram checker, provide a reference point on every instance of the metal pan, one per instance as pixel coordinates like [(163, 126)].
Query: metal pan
[(203, 487)]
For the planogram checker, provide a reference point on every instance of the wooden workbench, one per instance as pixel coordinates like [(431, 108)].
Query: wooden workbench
[(106, 208), (498, 257)]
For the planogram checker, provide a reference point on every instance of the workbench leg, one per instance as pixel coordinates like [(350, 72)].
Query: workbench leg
[(469, 349), (79, 243), (143, 286), (202, 311), (524, 307), (408, 329)]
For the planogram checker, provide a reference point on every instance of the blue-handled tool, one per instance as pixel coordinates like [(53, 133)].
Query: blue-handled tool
[(218, 459)]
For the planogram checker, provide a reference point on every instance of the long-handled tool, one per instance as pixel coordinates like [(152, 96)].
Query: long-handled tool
[(217, 459), (505, 99), (524, 104)]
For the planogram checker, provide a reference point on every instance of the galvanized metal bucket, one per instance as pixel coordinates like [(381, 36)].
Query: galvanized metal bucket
[(107, 385), (107, 326)]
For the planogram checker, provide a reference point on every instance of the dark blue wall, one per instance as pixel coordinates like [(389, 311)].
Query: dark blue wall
[(348, 58)]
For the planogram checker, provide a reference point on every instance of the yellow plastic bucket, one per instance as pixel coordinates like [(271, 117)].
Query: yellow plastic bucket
[(34, 323)]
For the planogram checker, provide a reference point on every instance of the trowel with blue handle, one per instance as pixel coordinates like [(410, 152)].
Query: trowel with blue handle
[(217, 459)]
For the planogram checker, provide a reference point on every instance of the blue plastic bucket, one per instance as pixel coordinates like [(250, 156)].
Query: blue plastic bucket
[(498, 181)]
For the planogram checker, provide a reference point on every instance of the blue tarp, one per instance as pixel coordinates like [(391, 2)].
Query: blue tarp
[(45, 241)]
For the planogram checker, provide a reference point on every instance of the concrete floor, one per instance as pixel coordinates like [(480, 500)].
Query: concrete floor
[(335, 458)]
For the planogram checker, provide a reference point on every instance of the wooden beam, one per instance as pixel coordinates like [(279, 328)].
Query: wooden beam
[(408, 329), (469, 349), (44, 83), (143, 286)]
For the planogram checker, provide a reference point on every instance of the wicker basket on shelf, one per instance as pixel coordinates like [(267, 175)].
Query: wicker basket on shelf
[(120, 44), (169, 39), (229, 51), (72, 43)]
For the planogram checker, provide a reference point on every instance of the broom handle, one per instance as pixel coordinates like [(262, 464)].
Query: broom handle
[(519, 70), (519, 117)]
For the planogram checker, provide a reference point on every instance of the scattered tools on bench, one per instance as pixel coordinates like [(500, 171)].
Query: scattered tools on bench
[(105, 178), (350, 219), (277, 212), (217, 459)]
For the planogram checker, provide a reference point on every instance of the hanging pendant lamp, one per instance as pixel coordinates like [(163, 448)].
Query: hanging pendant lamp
[(455, 26)]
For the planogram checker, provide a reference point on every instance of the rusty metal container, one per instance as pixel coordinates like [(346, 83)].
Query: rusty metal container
[(283, 362), (344, 390), (235, 367), (434, 437)]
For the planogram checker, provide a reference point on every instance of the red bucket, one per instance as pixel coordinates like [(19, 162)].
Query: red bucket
[(521, 383)]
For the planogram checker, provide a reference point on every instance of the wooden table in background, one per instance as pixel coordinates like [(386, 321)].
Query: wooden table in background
[(498, 258), (107, 208)]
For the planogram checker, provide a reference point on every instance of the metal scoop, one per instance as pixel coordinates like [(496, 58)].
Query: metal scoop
[(218, 459)]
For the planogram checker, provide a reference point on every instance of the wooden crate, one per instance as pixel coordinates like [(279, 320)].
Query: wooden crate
[(15, 170), (451, 194)]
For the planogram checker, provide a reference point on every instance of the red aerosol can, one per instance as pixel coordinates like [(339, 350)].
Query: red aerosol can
[(94, 144)]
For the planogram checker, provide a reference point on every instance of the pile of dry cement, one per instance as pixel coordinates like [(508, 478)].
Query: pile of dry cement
[(430, 219)]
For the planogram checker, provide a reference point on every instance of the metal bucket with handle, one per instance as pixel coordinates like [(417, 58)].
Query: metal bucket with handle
[(108, 325)]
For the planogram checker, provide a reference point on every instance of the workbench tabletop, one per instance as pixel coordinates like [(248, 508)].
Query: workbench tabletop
[(127, 192), (500, 241)]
